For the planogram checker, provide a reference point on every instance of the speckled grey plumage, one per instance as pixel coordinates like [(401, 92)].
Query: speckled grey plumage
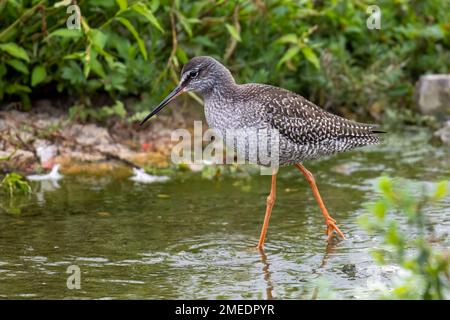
[(305, 130)]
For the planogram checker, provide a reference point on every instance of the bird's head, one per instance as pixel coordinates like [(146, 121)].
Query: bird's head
[(201, 74)]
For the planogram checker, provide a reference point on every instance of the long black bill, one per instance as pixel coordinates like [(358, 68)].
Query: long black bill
[(170, 97)]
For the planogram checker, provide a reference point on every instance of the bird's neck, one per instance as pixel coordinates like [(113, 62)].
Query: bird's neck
[(222, 84), (223, 90), (220, 105)]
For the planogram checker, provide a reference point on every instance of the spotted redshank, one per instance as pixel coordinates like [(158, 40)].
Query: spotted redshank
[(305, 130)]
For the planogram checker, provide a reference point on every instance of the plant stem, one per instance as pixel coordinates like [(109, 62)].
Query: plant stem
[(24, 16)]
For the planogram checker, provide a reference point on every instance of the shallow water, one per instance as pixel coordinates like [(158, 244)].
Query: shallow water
[(194, 238)]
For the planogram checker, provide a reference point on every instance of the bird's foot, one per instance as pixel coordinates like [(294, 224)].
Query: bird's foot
[(332, 227)]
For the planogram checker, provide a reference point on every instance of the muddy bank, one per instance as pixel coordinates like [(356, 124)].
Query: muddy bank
[(34, 141)]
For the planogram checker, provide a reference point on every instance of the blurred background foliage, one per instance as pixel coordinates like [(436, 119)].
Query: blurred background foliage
[(321, 49)]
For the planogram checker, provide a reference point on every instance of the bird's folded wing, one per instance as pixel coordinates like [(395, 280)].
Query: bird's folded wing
[(303, 122)]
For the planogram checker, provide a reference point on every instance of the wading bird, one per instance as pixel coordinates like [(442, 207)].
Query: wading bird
[(305, 130)]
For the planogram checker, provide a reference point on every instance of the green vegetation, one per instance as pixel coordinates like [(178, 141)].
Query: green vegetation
[(80, 112), (14, 182), (423, 260), (13, 187), (322, 49)]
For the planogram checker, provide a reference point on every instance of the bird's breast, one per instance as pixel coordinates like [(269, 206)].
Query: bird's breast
[(230, 115), (242, 130)]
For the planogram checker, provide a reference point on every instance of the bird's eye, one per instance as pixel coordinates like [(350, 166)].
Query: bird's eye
[(193, 74)]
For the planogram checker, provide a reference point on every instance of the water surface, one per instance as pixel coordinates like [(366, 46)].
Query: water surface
[(194, 238)]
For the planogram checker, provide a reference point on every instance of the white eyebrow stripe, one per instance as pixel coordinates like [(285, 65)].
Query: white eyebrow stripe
[(184, 78)]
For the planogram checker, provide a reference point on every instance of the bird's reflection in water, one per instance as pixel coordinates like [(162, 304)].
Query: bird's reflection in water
[(329, 250), (266, 274)]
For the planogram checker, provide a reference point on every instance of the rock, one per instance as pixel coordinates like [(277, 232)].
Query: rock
[(6, 122), (25, 137), (23, 155), (47, 123), (88, 135), (444, 133), (3, 125), (67, 154), (18, 117), (433, 95), (349, 270), (46, 137), (116, 149), (21, 160)]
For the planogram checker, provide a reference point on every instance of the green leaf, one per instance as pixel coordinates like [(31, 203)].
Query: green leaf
[(181, 54), (441, 191), (288, 38), (75, 55), (15, 51), (38, 75), (185, 23), (288, 55), (147, 13), (73, 73), (379, 256), (233, 32), (385, 185), (311, 56), (66, 33), (98, 38), (15, 182), (18, 65), (119, 109), (102, 3), (379, 210), (392, 236), (96, 65), (87, 62), (123, 4), (131, 28), (17, 88)]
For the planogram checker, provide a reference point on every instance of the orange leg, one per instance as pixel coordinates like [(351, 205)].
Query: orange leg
[(329, 221), (270, 203)]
